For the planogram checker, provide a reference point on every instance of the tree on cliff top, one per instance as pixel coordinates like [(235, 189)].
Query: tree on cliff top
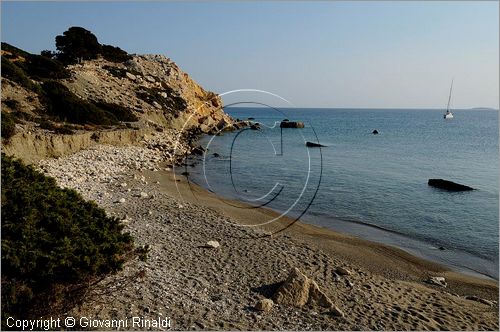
[(77, 44)]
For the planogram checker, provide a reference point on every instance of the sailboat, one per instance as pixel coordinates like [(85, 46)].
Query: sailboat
[(449, 114)]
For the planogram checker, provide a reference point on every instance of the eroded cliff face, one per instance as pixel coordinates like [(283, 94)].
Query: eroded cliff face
[(164, 98), (153, 86)]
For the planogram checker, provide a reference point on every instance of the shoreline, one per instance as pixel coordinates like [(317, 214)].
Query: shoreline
[(202, 288), (416, 268), (414, 246), (420, 248)]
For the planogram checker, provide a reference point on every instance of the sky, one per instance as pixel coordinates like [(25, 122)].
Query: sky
[(314, 54)]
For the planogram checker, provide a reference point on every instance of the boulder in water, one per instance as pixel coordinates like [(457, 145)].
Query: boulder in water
[(199, 150), (314, 145), (291, 124), (448, 185), (255, 126), (375, 132)]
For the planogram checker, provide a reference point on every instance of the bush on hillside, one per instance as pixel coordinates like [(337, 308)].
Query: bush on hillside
[(40, 67), (12, 104), (8, 125), (119, 72), (63, 129), (115, 71), (22, 66), (173, 102), (66, 106), (121, 113), (53, 242), (17, 74), (16, 52), (114, 54), (48, 54)]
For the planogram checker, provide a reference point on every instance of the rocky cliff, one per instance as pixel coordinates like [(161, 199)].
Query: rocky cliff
[(163, 98), (154, 87)]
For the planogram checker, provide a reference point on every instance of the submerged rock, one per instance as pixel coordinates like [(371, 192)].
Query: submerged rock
[(199, 150), (448, 185), (255, 126)]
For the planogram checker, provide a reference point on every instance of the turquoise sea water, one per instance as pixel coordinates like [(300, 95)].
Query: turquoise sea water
[(372, 186)]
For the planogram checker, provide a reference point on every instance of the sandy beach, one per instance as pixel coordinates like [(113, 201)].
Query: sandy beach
[(374, 287)]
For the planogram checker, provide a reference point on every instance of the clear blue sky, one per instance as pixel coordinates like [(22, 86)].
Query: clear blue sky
[(317, 54)]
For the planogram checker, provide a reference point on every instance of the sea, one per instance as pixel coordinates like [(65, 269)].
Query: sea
[(373, 186)]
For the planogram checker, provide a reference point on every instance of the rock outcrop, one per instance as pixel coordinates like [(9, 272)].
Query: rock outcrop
[(291, 124), (153, 86), (298, 290)]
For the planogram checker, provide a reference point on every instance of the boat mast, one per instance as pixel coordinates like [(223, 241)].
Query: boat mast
[(449, 97)]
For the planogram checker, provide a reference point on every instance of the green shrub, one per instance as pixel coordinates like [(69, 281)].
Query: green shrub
[(8, 125), (115, 71), (12, 104), (119, 72), (40, 67), (17, 74), (48, 54), (16, 52), (58, 129), (121, 113), (66, 106), (114, 54), (173, 102), (53, 242), (34, 66)]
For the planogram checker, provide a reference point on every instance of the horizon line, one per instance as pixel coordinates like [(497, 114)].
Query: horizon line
[(377, 108)]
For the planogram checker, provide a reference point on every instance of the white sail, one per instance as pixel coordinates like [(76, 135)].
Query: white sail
[(448, 114)]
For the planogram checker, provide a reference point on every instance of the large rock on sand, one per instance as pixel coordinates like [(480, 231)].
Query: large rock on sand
[(298, 290), (438, 281), (264, 305), (294, 291)]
